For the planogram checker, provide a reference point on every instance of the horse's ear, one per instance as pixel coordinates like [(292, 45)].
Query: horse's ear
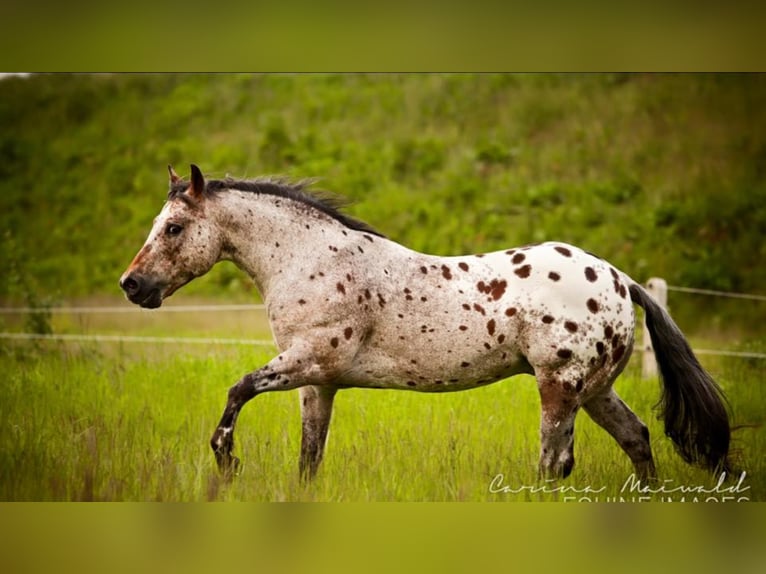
[(174, 177), (197, 188)]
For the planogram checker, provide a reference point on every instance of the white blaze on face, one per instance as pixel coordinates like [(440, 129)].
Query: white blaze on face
[(182, 244)]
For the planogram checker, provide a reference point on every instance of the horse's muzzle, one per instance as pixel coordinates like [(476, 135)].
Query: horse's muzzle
[(141, 291)]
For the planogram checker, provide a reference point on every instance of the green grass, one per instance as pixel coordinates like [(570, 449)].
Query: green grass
[(80, 423)]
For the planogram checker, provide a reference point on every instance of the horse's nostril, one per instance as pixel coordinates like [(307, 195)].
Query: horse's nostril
[(130, 285)]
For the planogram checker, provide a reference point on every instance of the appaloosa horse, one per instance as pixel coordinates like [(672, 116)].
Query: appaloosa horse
[(350, 308)]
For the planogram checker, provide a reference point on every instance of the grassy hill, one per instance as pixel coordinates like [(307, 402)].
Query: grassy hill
[(664, 175)]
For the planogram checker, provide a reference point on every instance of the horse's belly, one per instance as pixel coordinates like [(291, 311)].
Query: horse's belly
[(434, 370)]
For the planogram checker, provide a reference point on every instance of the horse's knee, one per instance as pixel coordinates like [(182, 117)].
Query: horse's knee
[(242, 391)]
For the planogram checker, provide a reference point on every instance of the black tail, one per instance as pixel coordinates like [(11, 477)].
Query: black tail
[(692, 404)]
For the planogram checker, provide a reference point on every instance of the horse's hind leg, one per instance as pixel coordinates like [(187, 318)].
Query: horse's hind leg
[(559, 404), (611, 413), (316, 410)]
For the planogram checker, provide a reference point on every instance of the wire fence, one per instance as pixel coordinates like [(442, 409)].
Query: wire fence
[(105, 338), (134, 339), (128, 309), (717, 293), (731, 295)]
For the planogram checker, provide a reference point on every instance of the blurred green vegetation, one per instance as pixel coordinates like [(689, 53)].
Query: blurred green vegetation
[(663, 175)]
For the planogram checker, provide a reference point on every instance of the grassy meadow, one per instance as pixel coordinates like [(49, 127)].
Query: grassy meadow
[(663, 175), (132, 422)]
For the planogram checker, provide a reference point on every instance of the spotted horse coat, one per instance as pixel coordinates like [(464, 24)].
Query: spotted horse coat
[(350, 308)]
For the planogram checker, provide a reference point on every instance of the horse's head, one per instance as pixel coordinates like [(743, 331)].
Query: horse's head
[(183, 244)]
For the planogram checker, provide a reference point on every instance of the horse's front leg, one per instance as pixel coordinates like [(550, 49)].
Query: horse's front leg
[(316, 410), (292, 369)]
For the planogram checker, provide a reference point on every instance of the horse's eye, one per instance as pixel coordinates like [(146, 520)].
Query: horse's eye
[(173, 229)]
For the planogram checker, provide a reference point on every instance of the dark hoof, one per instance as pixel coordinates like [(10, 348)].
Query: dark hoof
[(307, 475), (228, 464)]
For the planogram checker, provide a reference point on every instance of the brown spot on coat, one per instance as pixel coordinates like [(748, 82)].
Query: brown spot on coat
[(491, 327), (411, 383), (564, 353), (334, 342), (618, 353), (553, 276), (424, 270), (463, 328), (523, 271), (301, 301), (563, 250), (608, 332), (623, 291), (446, 272), (341, 288), (465, 364), (547, 319), (348, 332), (500, 339), (466, 306), (479, 308), (600, 348), (570, 326), (495, 289), (510, 311), (578, 386), (518, 258), (592, 305), (463, 265), (590, 274)]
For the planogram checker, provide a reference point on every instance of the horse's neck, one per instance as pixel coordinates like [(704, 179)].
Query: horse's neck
[(275, 240)]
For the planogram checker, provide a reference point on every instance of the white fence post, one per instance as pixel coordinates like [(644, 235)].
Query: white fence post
[(657, 288)]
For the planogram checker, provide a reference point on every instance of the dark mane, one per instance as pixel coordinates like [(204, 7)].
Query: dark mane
[(296, 191)]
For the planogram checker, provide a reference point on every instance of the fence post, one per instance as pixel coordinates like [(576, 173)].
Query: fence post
[(657, 288)]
